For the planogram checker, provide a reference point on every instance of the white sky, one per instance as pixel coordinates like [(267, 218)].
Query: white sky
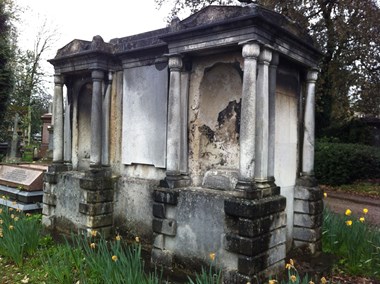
[(83, 19)]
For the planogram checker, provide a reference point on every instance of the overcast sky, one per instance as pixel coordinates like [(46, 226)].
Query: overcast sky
[(83, 19)]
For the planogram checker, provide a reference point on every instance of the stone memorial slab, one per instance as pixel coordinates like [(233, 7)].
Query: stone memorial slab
[(23, 177)]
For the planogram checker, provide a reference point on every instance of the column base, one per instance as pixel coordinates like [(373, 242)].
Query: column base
[(267, 187), (248, 189)]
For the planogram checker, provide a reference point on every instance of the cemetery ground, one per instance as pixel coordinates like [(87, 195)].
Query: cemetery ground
[(351, 254)]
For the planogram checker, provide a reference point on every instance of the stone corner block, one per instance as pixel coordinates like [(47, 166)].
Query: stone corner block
[(307, 234), (50, 178), (95, 184), (166, 196), (49, 199), (159, 210), (308, 193), (96, 209), (165, 226)]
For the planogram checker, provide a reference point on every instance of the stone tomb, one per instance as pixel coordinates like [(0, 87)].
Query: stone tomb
[(198, 138), (21, 186)]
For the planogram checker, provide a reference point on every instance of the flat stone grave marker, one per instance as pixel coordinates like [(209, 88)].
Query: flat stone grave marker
[(29, 178)]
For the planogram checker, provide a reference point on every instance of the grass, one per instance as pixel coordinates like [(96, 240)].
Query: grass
[(366, 188)]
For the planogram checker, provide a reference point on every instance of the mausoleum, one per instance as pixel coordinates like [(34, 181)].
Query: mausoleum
[(198, 138)]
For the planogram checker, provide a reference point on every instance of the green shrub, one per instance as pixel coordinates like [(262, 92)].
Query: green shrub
[(338, 163)]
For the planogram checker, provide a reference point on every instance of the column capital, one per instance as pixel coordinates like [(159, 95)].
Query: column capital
[(58, 79), (251, 49), (275, 59), (312, 75), (97, 74), (265, 55), (175, 62)]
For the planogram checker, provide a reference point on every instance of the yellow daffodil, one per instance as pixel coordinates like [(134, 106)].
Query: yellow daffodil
[(291, 261), (362, 219), (28, 215), (348, 212), (325, 194), (114, 258), (311, 282), (1, 234), (349, 222), (118, 237), (365, 210), (14, 202), (12, 216), (272, 281), (293, 278), (1, 210), (323, 280), (11, 227), (137, 239), (212, 256), (92, 245), (16, 219), (1, 221), (10, 209), (94, 233), (18, 210)]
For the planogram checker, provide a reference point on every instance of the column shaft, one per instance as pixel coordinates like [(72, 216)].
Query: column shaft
[(67, 129), (248, 115), (96, 119), (272, 114), (262, 117), (309, 125), (58, 120), (106, 122)]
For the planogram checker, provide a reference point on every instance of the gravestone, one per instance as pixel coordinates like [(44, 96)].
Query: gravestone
[(21, 186), (26, 178)]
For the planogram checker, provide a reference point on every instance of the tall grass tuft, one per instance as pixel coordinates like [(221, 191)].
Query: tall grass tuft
[(354, 241), (19, 234)]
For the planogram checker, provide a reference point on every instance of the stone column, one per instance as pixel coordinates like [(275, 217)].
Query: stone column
[(106, 122), (96, 119), (250, 52), (309, 125), (308, 203), (272, 115), (58, 120), (262, 119), (175, 124)]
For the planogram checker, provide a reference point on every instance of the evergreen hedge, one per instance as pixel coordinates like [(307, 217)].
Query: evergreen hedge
[(339, 163)]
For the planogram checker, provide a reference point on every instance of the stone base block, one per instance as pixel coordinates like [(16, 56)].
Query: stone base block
[(307, 234), (308, 221)]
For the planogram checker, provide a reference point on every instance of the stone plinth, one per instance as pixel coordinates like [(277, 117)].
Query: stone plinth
[(256, 232), (308, 215)]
